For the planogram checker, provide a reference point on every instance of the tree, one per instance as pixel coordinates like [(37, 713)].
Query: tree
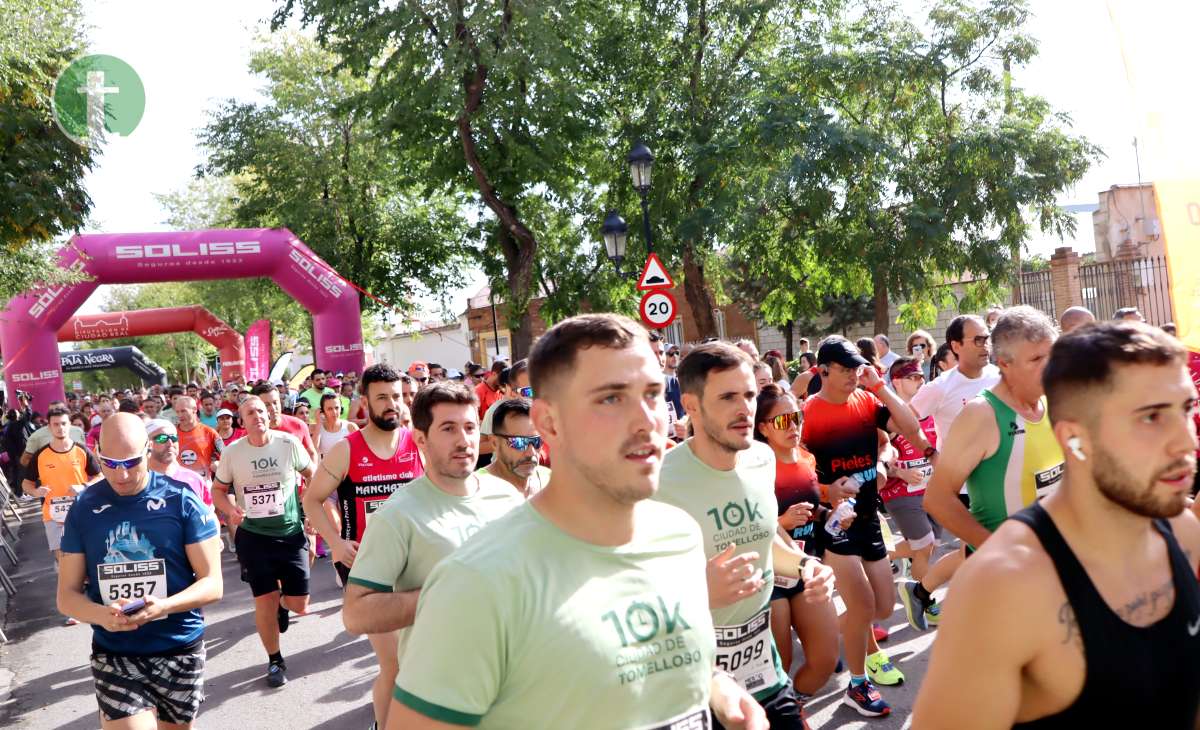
[(954, 161), (504, 101), (42, 194), (311, 161)]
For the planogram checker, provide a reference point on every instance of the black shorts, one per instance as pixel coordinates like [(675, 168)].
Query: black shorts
[(778, 593), (782, 708), (343, 573), (864, 539), (270, 564), (173, 686)]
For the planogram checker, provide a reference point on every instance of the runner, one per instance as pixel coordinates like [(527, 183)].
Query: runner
[(1002, 444), (488, 393), (225, 428), (585, 606), (421, 524), (199, 446), (208, 409), (777, 420), (724, 479), (330, 429), (1075, 317), (57, 473), (903, 495), (280, 421), (1082, 611), (262, 468), (517, 448), (39, 438), (944, 397), (103, 412), (135, 536), (362, 481), (312, 396), (164, 456), (841, 429)]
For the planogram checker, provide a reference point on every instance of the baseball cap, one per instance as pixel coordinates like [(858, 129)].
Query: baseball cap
[(840, 351), (224, 412)]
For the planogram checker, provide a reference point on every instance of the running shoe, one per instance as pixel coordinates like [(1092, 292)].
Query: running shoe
[(881, 670), (881, 634), (913, 607), (275, 675), (284, 622), (933, 614), (866, 699)]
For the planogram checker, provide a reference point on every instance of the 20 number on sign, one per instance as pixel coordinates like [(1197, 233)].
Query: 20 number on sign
[(658, 309)]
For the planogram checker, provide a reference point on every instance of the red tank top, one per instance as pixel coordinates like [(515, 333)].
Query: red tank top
[(910, 458), (370, 480)]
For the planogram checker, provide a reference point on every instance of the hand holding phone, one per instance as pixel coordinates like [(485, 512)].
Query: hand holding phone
[(133, 606)]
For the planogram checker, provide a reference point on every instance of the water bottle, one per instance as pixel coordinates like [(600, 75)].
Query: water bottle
[(834, 524)]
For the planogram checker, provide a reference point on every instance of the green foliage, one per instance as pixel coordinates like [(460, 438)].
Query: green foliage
[(309, 160), (42, 195)]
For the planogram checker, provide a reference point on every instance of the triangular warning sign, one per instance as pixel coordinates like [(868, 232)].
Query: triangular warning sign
[(655, 275)]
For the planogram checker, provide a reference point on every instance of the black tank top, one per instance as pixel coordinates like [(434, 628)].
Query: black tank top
[(1136, 677)]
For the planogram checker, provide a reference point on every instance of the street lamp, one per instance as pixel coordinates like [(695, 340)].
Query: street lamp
[(641, 162), (615, 233)]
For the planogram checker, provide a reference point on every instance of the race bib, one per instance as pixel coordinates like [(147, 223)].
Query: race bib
[(59, 507), (925, 469), (264, 500), (745, 652), (132, 579), (783, 581), (369, 510), (692, 720), (1046, 482)]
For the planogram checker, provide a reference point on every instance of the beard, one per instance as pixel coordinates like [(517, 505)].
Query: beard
[(522, 466), (1122, 489), (389, 420), (723, 439)]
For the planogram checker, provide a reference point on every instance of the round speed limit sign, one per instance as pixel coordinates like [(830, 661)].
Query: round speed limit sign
[(658, 309)]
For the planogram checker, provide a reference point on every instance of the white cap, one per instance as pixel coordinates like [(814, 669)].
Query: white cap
[(155, 425)]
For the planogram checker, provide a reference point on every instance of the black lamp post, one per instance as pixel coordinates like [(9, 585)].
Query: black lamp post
[(641, 161), (616, 234)]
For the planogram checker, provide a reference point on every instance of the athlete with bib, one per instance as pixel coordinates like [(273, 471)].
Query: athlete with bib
[(139, 536), (362, 481), (57, 473), (585, 607), (725, 480), (1002, 444), (1083, 610), (264, 469)]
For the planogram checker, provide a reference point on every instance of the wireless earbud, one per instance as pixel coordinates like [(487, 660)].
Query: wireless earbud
[(1073, 444)]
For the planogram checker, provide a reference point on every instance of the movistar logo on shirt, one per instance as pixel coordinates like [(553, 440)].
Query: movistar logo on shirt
[(153, 505)]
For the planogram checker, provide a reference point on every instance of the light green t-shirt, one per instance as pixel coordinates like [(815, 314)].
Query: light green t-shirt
[(541, 477), (264, 480), (419, 525), (526, 626), (313, 397), (736, 506)]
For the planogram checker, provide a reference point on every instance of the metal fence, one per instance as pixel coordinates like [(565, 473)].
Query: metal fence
[(1037, 291), (1142, 283)]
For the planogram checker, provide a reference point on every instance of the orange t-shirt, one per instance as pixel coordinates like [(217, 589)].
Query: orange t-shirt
[(197, 449), (59, 471)]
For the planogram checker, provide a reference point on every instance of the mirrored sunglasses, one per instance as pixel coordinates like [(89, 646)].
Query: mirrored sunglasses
[(520, 443), (162, 438), (785, 420)]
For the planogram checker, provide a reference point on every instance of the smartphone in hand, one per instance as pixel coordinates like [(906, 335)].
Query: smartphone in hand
[(133, 606)]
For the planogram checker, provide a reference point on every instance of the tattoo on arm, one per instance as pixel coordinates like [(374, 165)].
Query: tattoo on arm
[(1066, 617)]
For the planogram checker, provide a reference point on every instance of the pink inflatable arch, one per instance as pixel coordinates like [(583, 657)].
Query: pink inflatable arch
[(29, 323)]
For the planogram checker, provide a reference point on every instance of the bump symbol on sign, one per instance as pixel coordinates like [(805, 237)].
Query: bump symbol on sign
[(658, 309)]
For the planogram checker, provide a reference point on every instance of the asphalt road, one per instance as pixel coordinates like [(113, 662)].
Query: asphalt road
[(45, 681)]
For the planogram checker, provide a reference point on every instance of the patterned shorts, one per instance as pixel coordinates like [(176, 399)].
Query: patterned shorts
[(171, 685)]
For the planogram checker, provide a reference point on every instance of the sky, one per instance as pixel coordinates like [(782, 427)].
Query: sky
[(192, 55)]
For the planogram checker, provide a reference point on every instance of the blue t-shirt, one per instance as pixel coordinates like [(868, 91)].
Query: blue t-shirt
[(123, 538)]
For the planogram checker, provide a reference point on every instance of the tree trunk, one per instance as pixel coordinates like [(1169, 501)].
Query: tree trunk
[(518, 263), (787, 329), (882, 315), (695, 288)]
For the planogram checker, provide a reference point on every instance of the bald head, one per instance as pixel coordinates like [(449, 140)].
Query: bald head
[(1074, 318), (123, 436)]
